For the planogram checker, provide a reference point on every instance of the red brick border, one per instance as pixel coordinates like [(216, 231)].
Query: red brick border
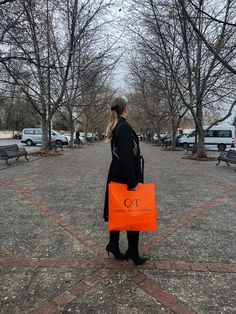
[(186, 219), (113, 264), (105, 267), (57, 304), (57, 219), (167, 299), (97, 248)]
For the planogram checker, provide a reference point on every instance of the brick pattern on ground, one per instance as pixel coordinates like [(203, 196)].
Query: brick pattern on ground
[(186, 219), (106, 264), (103, 268), (55, 218)]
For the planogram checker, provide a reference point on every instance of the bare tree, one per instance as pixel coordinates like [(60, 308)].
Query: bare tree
[(215, 49), (147, 99), (96, 98), (211, 85), (89, 105), (200, 80), (90, 74), (43, 50), (170, 109)]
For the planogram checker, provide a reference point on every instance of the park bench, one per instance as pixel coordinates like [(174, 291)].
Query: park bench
[(12, 151), (228, 157), (167, 144), (54, 145), (191, 148)]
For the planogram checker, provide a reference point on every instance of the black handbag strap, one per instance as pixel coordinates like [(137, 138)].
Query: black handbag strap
[(142, 168)]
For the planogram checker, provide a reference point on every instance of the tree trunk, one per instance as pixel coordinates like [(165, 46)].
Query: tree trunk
[(173, 141), (174, 129), (201, 151), (44, 146), (86, 130), (72, 129)]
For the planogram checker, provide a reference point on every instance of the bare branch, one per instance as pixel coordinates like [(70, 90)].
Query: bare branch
[(208, 45)]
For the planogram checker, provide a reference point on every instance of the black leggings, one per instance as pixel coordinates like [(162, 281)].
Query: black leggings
[(133, 239)]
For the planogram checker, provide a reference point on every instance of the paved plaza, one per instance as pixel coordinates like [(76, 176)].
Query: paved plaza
[(53, 238)]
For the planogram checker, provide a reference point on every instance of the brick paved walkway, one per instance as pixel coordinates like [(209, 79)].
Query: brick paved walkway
[(52, 257)]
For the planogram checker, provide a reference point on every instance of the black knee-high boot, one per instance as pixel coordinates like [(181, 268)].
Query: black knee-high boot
[(133, 252), (113, 245)]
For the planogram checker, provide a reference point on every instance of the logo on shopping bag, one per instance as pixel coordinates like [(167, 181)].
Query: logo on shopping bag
[(129, 203)]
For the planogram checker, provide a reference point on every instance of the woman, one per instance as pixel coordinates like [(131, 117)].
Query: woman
[(125, 168)]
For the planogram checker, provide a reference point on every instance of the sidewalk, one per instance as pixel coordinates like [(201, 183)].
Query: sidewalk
[(53, 238)]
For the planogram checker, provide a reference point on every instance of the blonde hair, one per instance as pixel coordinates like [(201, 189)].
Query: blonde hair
[(118, 106)]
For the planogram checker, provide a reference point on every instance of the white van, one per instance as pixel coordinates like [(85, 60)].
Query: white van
[(33, 136), (222, 136)]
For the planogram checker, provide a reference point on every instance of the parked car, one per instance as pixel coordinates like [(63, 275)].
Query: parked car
[(90, 137), (164, 138), (222, 136), (168, 141), (33, 136)]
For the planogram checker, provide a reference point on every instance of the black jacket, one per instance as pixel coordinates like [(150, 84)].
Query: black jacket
[(125, 167)]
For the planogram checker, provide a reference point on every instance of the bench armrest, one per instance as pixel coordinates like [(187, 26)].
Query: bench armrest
[(22, 149), (223, 154)]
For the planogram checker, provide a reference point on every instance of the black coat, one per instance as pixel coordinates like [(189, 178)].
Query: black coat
[(125, 167)]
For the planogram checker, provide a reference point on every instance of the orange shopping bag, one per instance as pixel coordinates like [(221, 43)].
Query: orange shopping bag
[(132, 210)]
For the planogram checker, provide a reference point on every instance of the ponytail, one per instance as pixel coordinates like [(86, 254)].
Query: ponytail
[(111, 124), (117, 108)]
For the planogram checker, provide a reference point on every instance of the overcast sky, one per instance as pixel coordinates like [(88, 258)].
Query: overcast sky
[(118, 28)]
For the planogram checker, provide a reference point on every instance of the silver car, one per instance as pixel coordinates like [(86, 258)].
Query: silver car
[(33, 136)]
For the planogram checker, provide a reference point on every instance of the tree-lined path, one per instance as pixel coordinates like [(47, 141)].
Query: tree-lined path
[(52, 249)]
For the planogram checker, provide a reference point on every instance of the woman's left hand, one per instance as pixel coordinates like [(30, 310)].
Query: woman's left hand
[(133, 189)]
